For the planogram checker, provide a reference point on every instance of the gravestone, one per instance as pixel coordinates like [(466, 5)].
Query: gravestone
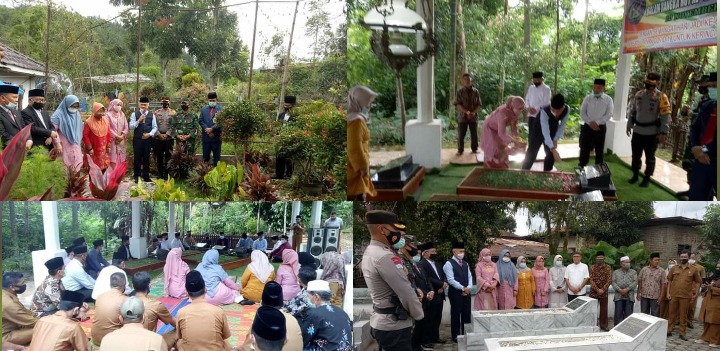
[(638, 332), (597, 177), (396, 173)]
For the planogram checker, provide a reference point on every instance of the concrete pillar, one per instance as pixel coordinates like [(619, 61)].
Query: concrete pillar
[(423, 135), (138, 246), (316, 215), (617, 139), (171, 220), (52, 242), (296, 206), (348, 298)]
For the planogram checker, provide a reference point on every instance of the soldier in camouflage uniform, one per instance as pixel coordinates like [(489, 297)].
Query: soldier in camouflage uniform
[(648, 124), (395, 302), (185, 126)]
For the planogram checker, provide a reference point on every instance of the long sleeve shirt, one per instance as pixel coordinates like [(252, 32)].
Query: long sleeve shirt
[(450, 275), (624, 279), (76, 278), (597, 109), (134, 124), (96, 261), (538, 97), (244, 244), (260, 244), (544, 124)]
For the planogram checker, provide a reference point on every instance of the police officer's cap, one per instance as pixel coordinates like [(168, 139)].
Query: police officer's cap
[(383, 217)]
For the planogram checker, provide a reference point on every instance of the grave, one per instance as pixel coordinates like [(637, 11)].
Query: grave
[(638, 332), (577, 316), (397, 180)]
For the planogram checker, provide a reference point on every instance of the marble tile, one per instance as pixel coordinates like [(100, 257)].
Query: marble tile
[(476, 341), (535, 319)]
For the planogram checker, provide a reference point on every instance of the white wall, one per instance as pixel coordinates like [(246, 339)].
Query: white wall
[(26, 82)]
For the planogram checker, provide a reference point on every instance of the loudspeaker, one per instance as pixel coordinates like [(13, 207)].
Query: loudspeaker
[(316, 243), (332, 238)]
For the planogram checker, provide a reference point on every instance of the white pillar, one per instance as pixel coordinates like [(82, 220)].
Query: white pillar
[(617, 140), (52, 241), (138, 246), (296, 205), (316, 215), (348, 298), (423, 135), (171, 220)]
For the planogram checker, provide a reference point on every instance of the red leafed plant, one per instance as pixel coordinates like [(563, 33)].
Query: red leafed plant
[(258, 186), (104, 185), (11, 160)]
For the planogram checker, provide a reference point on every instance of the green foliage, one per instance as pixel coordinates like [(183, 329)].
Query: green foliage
[(152, 72), (500, 179), (164, 191), (223, 181), (240, 121), (637, 253), (191, 79), (154, 91), (39, 166), (196, 94), (259, 186), (710, 232)]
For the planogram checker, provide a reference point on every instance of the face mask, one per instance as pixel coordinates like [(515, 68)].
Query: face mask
[(506, 259), (416, 259), (599, 261), (486, 258), (522, 265), (38, 105), (118, 108), (433, 257), (625, 265), (100, 114), (165, 105), (413, 252), (703, 90), (558, 263), (399, 245), (537, 84), (712, 93), (21, 289), (394, 238), (366, 111), (597, 94), (691, 261), (684, 261), (649, 86), (212, 103), (460, 256), (11, 106), (223, 237), (72, 110), (185, 107)]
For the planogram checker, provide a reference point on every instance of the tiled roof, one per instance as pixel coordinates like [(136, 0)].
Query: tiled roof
[(12, 57), (519, 247)]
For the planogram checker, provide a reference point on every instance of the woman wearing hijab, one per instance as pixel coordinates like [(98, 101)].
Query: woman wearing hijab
[(664, 301), (69, 125), (494, 139), (526, 284), (97, 137), (558, 287), (307, 260), (334, 273), (221, 290), (710, 310), (358, 139), (259, 272), (175, 271), (118, 131), (542, 283), (508, 288), (487, 277), (287, 274)]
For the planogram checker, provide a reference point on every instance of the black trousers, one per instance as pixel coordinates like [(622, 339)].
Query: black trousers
[(141, 148), (283, 167), (536, 140), (591, 140), (459, 312), (395, 340), (433, 316), (647, 144), (462, 131), (163, 152), (214, 147)]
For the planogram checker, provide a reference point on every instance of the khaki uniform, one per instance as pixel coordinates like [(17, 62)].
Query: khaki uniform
[(154, 311), (107, 315), (133, 336), (293, 333), (386, 277), (164, 120), (683, 280), (59, 333), (693, 305), (17, 321), (202, 327)]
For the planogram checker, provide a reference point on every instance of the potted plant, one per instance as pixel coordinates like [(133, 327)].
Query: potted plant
[(240, 121)]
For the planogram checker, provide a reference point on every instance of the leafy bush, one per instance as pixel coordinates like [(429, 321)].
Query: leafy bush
[(154, 91), (164, 191), (11, 161), (104, 185), (259, 187), (77, 181), (240, 121), (181, 164), (196, 94), (191, 78), (223, 181), (152, 72), (38, 166)]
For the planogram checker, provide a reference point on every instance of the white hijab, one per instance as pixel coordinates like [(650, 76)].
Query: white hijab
[(260, 266)]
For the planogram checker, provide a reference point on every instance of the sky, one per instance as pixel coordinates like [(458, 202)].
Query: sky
[(689, 209), (272, 18)]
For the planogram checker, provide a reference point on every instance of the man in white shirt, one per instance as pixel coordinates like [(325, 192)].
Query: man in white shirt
[(165, 243), (177, 242), (576, 276), (457, 271), (538, 95), (76, 279), (334, 221), (102, 284), (596, 111)]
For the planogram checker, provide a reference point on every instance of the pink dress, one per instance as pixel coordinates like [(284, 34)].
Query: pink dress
[(487, 276), (71, 153), (118, 127), (225, 294), (505, 297), (175, 272), (542, 283), (289, 282), (494, 138)]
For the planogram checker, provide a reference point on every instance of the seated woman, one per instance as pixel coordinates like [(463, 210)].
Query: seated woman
[(175, 271), (287, 274), (257, 274), (221, 290)]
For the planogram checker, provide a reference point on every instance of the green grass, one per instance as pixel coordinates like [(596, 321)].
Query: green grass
[(140, 262)]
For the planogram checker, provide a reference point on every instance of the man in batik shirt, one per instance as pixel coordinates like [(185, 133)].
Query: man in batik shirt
[(47, 296)]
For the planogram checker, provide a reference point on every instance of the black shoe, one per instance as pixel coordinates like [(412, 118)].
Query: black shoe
[(691, 326), (147, 180), (669, 334), (634, 179), (135, 180), (474, 151), (459, 153), (454, 341), (683, 337), (646, 182)]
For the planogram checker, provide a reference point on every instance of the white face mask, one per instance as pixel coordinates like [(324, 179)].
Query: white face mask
[(691, 261), (72, 110), (460, 256), (506, 259), (118, 108)]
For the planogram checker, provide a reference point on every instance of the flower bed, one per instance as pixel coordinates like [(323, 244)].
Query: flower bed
[(523, 184)]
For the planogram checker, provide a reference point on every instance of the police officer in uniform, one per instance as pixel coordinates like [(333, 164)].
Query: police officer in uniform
[(411, 257), (648, 124), (395, 302)]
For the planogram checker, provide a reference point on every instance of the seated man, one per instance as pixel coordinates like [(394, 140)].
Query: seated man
[(223, 241), (61, 331), (153, 246), (162, 252), (261, 243), (274, 242), (154, 310), (107, 309), (276, 254), (188, 241), (102, 284), (70, 254), (177, 242), (244, 246), (200, 325), (76, 279), (17, 321), (273, 297), (132, 335), (268, 331), (324, 327), (47, 296), (124, 249), (96, 262)]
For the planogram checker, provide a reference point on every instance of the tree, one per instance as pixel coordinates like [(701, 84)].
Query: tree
[(710, 232), (317, 26)]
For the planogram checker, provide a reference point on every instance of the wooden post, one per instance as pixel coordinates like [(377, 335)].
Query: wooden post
[(453, 58), (252, 52), (287, 61), (139, 31)]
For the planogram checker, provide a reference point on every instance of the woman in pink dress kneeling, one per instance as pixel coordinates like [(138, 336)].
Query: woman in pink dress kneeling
[(487, 280), (494, 139), (221, 290), (175, 271)]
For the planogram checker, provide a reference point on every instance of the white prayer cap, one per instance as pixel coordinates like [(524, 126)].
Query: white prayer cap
[(318, 285), (625, 258)]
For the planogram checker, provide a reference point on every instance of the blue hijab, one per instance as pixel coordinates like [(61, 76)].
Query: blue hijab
[(70, 124), (212, 273), (506, 270)]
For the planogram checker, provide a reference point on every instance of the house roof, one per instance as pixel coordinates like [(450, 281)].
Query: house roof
[(15, 61), (519, 247), (122, 78), (679, 220)]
